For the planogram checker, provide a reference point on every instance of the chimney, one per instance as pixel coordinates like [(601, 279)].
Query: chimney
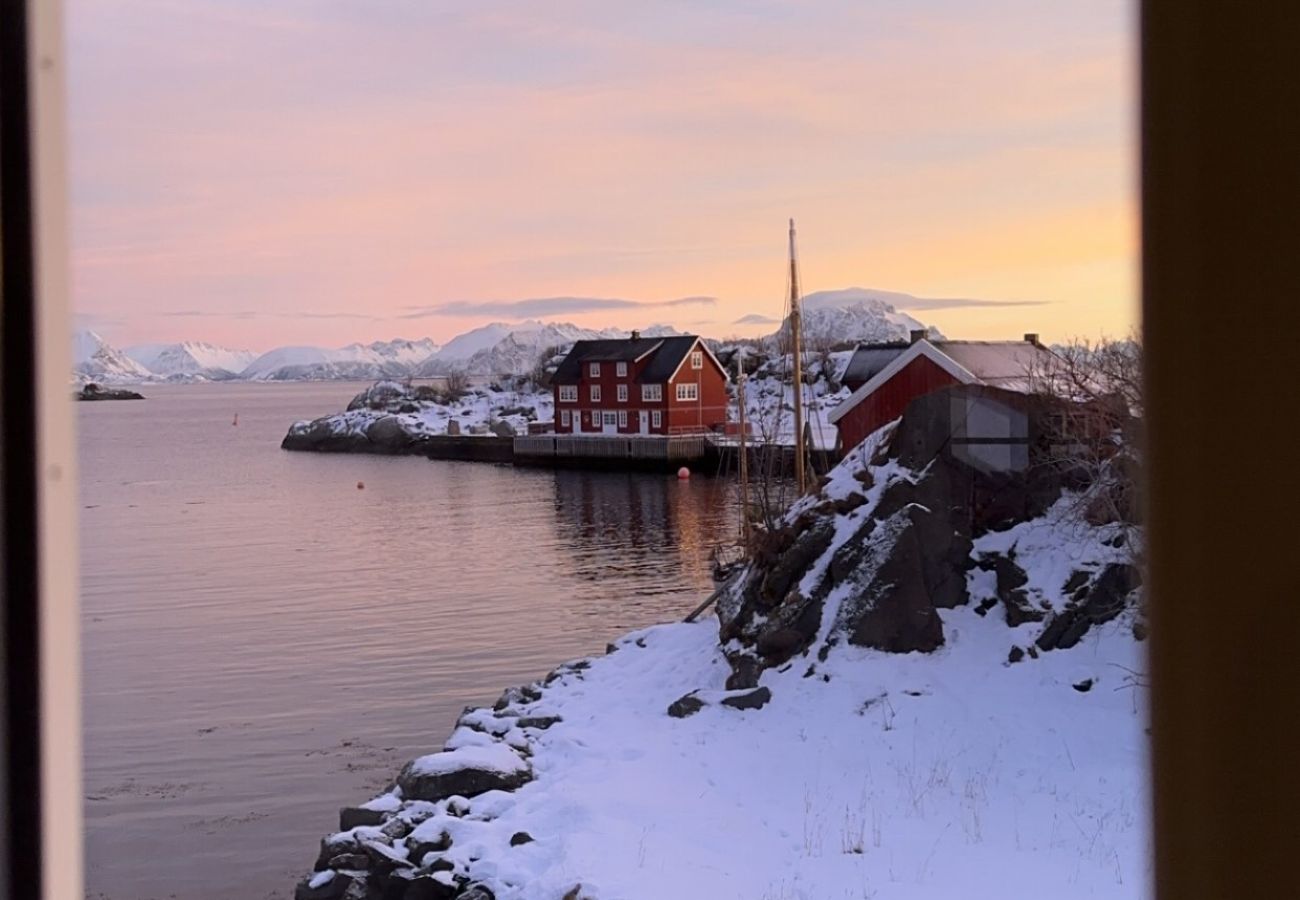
[(1031, 337), (917, 335), (636, 335)]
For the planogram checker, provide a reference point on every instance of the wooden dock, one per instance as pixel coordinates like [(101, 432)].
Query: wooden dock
[(611, 451)]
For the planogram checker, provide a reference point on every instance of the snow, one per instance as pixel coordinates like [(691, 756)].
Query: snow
[(501, 349), (927, 775), (94, 359), (490, 757), (190, 358), (380, 359)]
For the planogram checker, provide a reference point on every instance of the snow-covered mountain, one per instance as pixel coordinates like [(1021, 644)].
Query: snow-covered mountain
[(94, 359), (517, 350), (191, 360), (854, 314), (381, 359)]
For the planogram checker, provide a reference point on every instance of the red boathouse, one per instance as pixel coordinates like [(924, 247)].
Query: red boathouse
[(925, 366), (636, 385)]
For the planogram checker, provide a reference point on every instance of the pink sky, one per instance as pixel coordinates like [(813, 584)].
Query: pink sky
[(319, 171)]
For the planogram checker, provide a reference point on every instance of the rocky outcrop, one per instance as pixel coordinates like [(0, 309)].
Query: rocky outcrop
[(93, 391), (889, 542)]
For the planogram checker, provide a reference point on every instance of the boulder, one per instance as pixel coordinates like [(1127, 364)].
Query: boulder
[(466, 772), (685, 706), (387, 433), (327, 885), (519, 838), (352, 816), (889, 607), (502, 428), (755, 699), (1102, 600)]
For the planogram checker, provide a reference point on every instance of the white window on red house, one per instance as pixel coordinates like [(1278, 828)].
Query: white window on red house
[(656, 419), (697, 360), (594, 370), (595, 393), (568, 393), (622, 393), (621, 370), (564, 418), (652, 392), (608, 418), (688, 391), (622, 418)]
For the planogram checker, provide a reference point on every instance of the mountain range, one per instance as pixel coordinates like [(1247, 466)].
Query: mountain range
[(499, 348)]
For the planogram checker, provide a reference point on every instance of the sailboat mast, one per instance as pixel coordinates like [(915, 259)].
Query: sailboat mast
[(744, 451), (796, 350)]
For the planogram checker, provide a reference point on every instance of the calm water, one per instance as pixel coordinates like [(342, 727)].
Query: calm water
[(264, 642)]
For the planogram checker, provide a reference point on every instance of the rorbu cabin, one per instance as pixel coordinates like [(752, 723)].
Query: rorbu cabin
[(647, 386), (895, 376)]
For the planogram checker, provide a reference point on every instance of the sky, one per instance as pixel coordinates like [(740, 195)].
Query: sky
[(265, 172)]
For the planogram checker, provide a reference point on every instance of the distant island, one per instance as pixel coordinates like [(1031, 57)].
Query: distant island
[(92, 391)]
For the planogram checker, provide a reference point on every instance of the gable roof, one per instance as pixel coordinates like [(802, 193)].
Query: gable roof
[(1004, 364), (868, 359), (668, 355)]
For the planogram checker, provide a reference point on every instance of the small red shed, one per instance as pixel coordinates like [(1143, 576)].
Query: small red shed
[(927, 366)]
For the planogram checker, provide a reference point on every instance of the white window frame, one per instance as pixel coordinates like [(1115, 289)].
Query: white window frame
[(568, 393), (622, 393), (688, 392), (621, 370), (622, 418), (656, 418), (697, 359), (564, 418), (595, 393), (651, 393), (607, 418), (593, 370)]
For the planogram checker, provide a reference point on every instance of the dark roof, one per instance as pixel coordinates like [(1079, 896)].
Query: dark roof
[(668, 355), (869, 359)]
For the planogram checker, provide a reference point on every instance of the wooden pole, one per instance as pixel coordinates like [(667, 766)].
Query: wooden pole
[(796, 350), (744, 450)]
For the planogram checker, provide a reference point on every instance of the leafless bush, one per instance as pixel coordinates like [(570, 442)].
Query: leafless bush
[(456, 385)]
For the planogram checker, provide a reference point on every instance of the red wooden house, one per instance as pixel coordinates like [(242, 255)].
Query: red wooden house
[(925, 366), (661, 385)]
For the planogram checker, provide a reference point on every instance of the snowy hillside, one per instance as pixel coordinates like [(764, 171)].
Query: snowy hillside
[(195, 359), (381, 359), (907, 695), (94, 359)]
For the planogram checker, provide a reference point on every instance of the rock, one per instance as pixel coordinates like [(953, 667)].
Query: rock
[(1083, 686), (755, 699), (345, 842), (893, 610), (685, 706), (1016, 655), (356, 861), (426, 887), (416, 850), (352, 816), (1011, 580), (792, 564), (502, 429), (388, 434), (395, 829), (1100, 602), (458, 807), (477, 892), (745, 670), (467, 780), (453, 428), (542, 722), (519, 838), (517, 696), (331, 889)]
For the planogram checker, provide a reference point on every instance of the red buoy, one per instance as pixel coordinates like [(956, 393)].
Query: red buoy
[(361, 485), (683, 473)]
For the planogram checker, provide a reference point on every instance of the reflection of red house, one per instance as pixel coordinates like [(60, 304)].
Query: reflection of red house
[(927, 366), (663, 385)]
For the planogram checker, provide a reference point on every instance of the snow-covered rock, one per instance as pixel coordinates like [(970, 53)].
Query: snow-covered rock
[(501, 349), (841, 317), (195, 360), (95, 360)]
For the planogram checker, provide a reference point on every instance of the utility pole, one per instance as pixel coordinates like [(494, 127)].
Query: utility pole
[(744, 450), (796, 349)]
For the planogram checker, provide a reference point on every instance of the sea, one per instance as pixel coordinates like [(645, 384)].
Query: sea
[(268, 636)]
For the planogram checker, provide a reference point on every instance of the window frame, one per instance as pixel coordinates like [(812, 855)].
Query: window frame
[(568, 393), (688, 392), (622, 418), (622, 393), (652, 393), (565, 419), (593, 370), (620, 370), (593, 392), (656, 418), (697, 359)]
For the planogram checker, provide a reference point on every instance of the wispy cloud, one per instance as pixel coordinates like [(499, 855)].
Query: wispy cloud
[(261, 314), (922, 303), (756, 319), (548, 306)]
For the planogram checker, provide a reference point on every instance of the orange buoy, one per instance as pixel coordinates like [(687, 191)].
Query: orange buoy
[(361, 485), (683, 473)]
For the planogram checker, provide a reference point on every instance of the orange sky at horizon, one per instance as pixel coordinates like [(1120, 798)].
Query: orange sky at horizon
[(296, 172)]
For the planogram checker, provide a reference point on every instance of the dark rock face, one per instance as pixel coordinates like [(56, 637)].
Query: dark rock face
[(755, 699), (1102, 600), (417, 850), (895, 611), (685, 706), (519, 838), (467, 782), (352, 816)]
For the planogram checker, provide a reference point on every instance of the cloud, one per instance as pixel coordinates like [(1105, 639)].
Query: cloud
[(756, 319), (924, 303), (548, 306), (255, 314)]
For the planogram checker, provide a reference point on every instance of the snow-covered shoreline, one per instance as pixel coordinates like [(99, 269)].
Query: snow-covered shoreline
[(803, 752)]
